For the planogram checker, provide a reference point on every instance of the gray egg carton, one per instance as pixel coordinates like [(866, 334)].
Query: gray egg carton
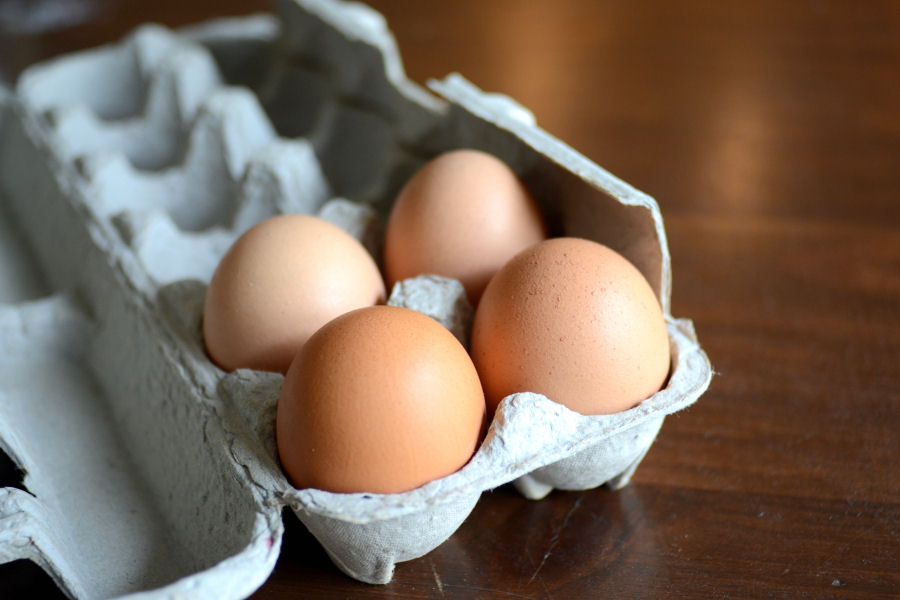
[(125, 173)]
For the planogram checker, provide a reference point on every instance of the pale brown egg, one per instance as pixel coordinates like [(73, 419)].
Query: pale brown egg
[(462, 215), (277, 284), (573, 320), (382, 400)]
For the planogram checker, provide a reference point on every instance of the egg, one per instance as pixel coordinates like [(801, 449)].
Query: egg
[(278, 283), (462, 215), (573, 320), (382, 400)]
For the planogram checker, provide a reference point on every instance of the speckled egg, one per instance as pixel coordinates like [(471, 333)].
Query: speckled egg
[(573, 320)]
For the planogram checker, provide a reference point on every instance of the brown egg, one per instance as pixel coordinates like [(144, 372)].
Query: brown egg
[(280, 281), (462, 215), (382, 400), (573, 320)]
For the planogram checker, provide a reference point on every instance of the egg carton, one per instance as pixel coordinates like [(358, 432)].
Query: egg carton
[(126, 171)]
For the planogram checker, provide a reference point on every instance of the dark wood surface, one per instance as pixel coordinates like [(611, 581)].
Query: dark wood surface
[(769, 132)]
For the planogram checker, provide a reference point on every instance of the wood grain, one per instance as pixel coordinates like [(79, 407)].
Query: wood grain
[(769, 132)]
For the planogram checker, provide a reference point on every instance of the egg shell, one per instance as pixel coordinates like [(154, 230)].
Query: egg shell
[(175, 447), (574, 320), (280, 282), (381, 399), (462, 215)]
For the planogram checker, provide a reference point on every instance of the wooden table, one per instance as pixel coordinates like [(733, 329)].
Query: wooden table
[(769, 132)]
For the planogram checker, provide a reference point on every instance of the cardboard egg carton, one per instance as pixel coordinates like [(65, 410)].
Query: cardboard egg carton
[(125, 173)]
